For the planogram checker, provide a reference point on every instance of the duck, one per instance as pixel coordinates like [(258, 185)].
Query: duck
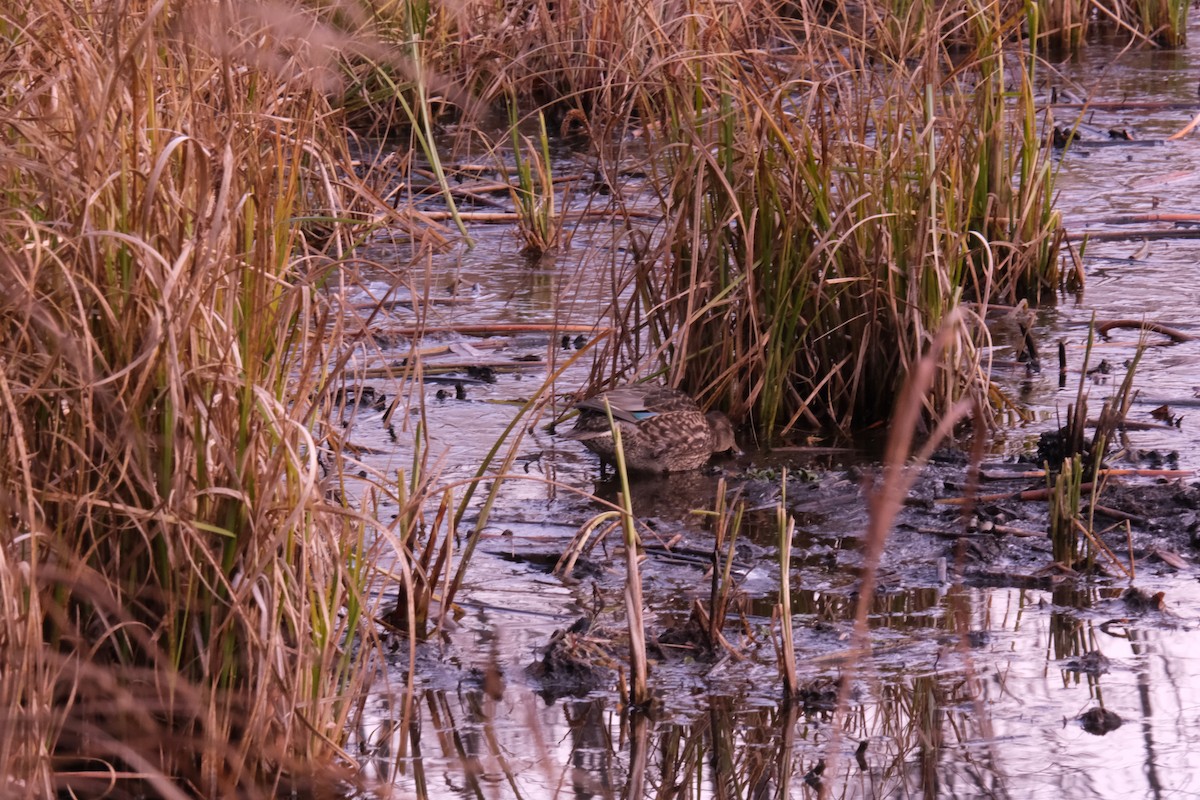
[(662, 429)]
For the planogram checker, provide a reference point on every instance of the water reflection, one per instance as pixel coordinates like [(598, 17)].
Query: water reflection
[(955, 715), (725, 753)]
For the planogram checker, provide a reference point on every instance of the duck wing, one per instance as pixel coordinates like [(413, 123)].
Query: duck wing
[(635, 403)]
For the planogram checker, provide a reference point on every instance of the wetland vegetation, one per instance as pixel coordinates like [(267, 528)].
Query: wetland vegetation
[(818, 218)]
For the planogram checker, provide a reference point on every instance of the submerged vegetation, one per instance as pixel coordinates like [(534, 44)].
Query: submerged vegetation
[(188, 604)]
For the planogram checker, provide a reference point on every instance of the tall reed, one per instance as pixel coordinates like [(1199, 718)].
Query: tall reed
[(827, 209), (181, 584), (1163, 21), (1063, 23)]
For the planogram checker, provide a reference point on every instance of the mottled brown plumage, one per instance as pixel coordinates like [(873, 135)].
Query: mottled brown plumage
[(662, 430)]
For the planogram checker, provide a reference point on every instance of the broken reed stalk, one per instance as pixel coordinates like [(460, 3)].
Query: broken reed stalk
[(1042, 494), (901, 470), (639, 690), (1082, 468), (786, 527), (729, 524), (1064, 490), (1175, 335), (1024, 495), (716, 616), (1102, 473), (500, 329), (509, 217), (1147, 234)]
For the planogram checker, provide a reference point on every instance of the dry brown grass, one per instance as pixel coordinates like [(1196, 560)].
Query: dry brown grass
[(182, 588)]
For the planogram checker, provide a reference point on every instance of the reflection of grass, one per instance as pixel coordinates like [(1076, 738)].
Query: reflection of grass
[(901, 466), (929, 720)]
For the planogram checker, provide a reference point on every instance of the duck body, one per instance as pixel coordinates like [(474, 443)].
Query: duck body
[(662, 429)]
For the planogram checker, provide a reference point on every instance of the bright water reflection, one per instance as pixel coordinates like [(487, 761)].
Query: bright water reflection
[(934, 715)]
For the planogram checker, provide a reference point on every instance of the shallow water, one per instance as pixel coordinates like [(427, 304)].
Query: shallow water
[(968, 691)]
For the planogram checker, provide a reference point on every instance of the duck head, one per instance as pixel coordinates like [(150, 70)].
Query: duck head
[(722, 432)]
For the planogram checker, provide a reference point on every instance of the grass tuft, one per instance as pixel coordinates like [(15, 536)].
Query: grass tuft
[(183, 586)]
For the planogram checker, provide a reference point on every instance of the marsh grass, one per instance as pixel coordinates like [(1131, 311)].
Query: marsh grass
[(832, 183), (828, 198), (1075, 541), (186, 577), (1063, 24), (185, 591), (1148, 23), (1164, 21), (829, 210), (533, 194), (1066, 495)]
